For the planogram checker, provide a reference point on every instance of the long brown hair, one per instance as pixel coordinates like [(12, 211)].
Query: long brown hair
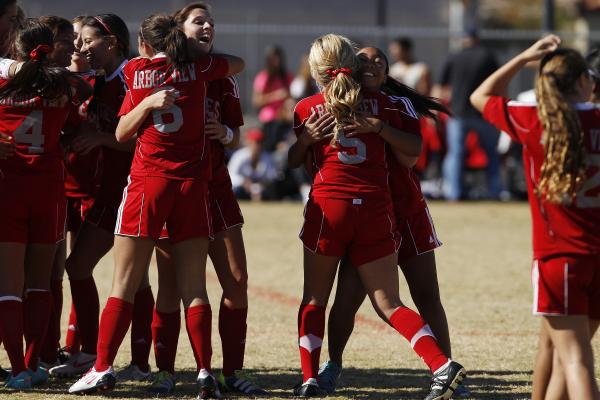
[(161, 32), (182, 14), (329, 55), (111, 25), (36, 78), (563, 170)]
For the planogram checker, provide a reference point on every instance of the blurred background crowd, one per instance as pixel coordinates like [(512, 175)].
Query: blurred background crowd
[(445, 52)]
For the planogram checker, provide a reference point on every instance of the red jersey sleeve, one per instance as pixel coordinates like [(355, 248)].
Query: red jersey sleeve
[(127, 104), (231, 110), (210, 68), (300, 117), (513, 117)]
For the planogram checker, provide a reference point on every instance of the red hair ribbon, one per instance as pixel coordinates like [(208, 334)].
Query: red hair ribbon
[(334, 72), (39, 50)]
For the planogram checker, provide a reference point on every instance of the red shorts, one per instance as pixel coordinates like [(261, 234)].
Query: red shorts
[(77, 209), (418, 235), (150, 202), (365, 229), (224, 208), (32, 210), (567, 285)]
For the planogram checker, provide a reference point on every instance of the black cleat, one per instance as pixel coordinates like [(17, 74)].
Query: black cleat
[(310, 388), (207, 386), (445, 381)]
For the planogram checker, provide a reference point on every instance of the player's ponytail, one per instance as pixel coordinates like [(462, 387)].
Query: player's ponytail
[(160, 31), (563, 170), (33, 44), (335, 66)]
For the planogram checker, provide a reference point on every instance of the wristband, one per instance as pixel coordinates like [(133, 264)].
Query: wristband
[(228, 136), (5, 64)]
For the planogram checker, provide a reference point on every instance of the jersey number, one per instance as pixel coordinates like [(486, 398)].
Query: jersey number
[(591, 183), (356, 157), (30, 132), (176, 117)]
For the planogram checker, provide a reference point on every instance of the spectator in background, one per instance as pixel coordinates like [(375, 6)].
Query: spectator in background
[(303, 84), (405, 69), (272, 97), (462, 73), (252, 169)]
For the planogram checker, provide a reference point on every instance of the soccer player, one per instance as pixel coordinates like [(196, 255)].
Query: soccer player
[(224, 117), (167, 185), (349, 190), (561, 152), (33, 108), (416, 255)]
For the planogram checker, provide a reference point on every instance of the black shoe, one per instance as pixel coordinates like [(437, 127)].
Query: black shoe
[(445, 381), (310, 388), (207, 386), (4, 374)]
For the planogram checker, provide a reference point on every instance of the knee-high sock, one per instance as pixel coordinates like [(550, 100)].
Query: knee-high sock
[(141, 328), (114, 324), (410, 325), (11, 331), (87, 308), (232, 329), (311, 329), (37, 306), (198, 322), (73, 339), (165, 334)]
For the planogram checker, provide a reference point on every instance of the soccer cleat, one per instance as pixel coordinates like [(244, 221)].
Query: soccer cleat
[(462, 391), (329, 373), (94, 381), (77, 364), (240, 383), (163, 383), (39, 376), (207, 386), (310, 388), (20, 382), (63, 355), (445, 380), (4, 374), (133, 373)]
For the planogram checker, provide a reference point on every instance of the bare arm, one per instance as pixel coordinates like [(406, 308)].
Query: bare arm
[(407, 143), (229, 137), (497, 83)]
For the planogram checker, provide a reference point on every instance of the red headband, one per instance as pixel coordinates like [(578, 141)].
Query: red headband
[(334, 72), (39, 50)]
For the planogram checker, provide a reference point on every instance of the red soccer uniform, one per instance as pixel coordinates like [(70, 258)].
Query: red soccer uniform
[(171, 143), (561, 286), (350, 188), (223, 104), (32, 207)]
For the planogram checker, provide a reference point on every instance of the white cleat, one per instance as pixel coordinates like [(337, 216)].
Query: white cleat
[(94, 381), (76, 365), (133, 373)]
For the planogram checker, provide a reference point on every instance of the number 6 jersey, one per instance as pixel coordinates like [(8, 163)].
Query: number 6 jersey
[(171, 143), (557, 229), (356, 167)]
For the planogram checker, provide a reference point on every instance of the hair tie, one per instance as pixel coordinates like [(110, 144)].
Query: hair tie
[(334, 72), (39, 50)]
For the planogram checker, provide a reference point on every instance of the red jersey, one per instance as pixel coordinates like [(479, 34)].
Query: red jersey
[(404, 183), (171, 143), (357, 166), (222, 104), (35, 125), (557, 229), (102, 113)]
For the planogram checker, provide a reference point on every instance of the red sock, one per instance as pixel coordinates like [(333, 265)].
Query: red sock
[(410, 325), (87, 309), (141, 328), (198, 322), (114, 324), (37, 306), (232, 329), (73, 340), (11, 331), (311, 329), (165, 334)]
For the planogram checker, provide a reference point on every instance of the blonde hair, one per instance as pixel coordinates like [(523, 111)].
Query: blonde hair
[(563, 170), (334, 65)]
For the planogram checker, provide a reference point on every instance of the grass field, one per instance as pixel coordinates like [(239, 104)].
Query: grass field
[(483, 269)]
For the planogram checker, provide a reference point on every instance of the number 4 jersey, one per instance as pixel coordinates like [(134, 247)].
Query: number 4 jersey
[(35, 125), (356, 167), (557, 229), (171, 143)]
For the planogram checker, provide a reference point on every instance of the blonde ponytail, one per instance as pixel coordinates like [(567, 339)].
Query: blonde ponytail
[(335, 66), (563, 170)]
